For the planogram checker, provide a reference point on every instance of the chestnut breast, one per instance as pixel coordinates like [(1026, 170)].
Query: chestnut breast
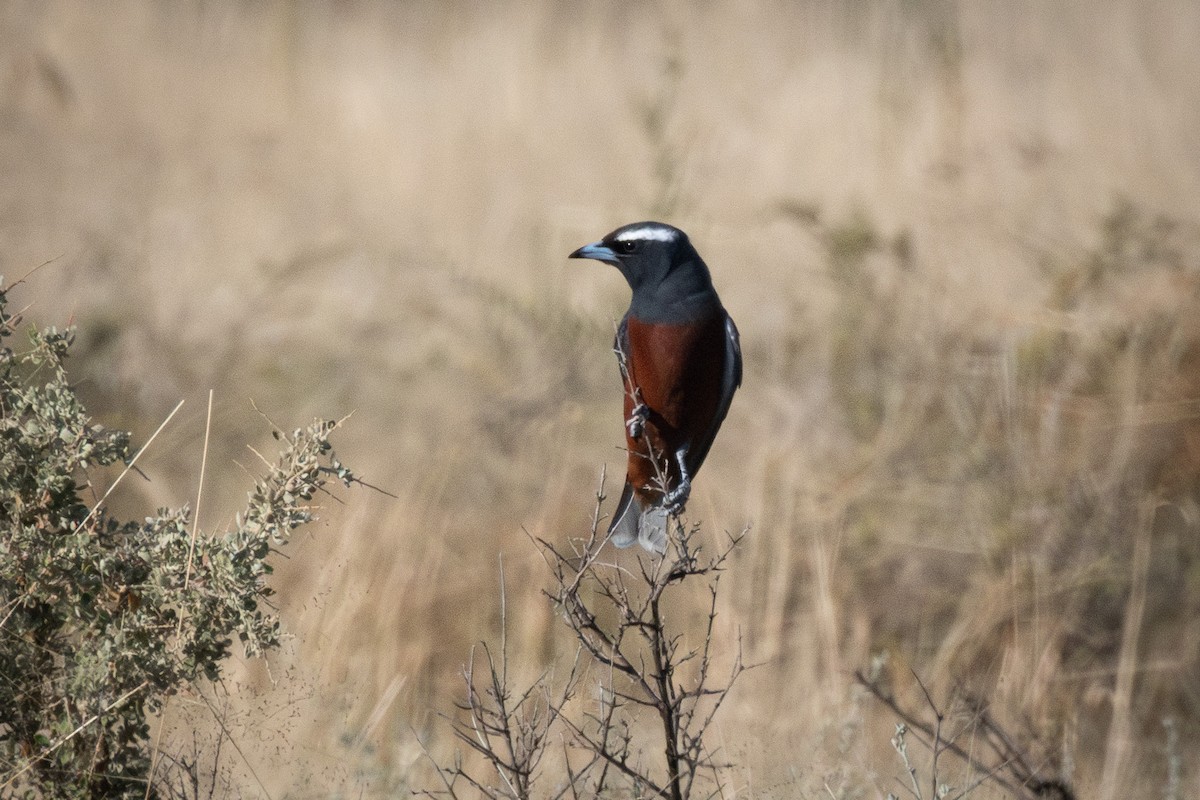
[(677, 371)]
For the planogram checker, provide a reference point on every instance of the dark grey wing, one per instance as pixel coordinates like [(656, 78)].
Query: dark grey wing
[(731, 379), (627, 518), (621, 349)]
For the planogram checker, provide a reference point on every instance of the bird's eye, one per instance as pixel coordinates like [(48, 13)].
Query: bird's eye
[(626, 246)]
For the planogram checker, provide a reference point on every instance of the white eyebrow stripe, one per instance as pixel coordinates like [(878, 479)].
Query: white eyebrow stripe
[(648, 233)]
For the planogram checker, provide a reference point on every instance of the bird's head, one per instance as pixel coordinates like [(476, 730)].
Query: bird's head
[(658, 261)]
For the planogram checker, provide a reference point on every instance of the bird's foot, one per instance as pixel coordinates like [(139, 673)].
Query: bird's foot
[(637, 421), (677, 498)]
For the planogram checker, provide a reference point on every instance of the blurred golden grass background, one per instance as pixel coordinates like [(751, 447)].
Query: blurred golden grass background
[(959, 240)]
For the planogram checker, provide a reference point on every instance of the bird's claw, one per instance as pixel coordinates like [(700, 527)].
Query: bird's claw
[(637, 421), (677, 498)]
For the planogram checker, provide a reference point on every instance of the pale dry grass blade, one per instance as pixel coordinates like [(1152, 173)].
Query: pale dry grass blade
[(1119, 746), (199, 491), (129, 466)]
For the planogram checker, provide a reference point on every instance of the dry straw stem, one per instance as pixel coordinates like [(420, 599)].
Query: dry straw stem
[(199, 491), (128, 467), (1120, 731), (162, 721)]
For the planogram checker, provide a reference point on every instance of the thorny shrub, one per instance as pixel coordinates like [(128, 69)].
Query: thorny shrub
[(102, 619)]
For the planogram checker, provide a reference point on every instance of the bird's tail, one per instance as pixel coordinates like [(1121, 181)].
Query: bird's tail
[(634, 523)]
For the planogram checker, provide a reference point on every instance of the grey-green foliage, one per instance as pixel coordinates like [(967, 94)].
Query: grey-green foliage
[(101, 619)]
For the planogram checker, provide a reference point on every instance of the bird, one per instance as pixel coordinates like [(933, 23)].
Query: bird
[(680, 359)]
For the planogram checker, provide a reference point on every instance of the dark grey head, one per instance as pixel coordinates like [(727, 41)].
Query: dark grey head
[(670, 281)]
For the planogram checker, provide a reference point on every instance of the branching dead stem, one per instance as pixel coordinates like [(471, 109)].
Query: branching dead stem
[(1001, 761), (618, 617)]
